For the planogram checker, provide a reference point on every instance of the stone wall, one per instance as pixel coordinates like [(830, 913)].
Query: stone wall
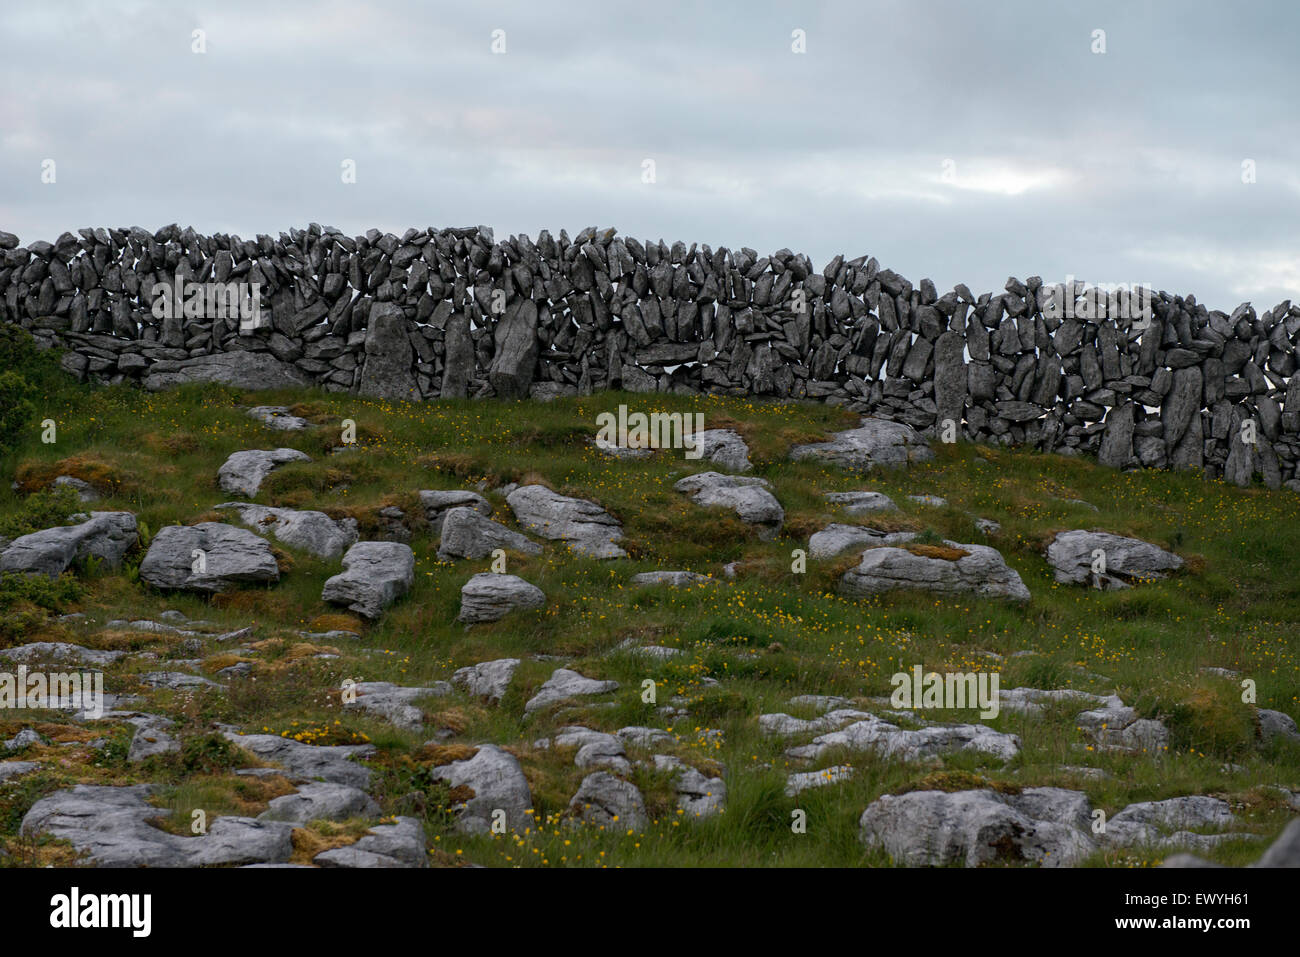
[(452, 312)]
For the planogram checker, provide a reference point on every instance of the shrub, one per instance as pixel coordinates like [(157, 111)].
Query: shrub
[(43, 509)]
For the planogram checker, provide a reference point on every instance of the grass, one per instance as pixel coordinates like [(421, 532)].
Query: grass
[(768, 635)]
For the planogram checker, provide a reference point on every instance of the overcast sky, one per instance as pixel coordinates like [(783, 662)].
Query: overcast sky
[(960, 141)]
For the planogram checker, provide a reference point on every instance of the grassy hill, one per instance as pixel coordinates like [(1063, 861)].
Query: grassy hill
[(748, 644)]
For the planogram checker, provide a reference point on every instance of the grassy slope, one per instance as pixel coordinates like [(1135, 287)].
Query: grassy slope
[(768, 635)]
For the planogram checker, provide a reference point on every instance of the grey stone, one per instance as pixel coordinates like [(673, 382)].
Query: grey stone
[(856, 503), (970, 828), (487, 679), (308, 762), (438, 503), (748, 497), (563, 684), (388, 371), (400, 844), (244, 472), (313, 532), (606, 801), (489, 596), (375, 574), (315, 801), (981, 571), (103, 535), (876, 442), (497, 783), (394, 703), (724, 447), (587, 528), (466, 533), (1128, 560), (835, 538), (676, 579), (278, 417), (228, 556), (242, 370)]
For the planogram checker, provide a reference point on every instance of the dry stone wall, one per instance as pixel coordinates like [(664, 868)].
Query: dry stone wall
[(452, 313)]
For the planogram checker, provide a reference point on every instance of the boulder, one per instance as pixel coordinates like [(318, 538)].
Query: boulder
[(466, 533), (313, 532), (1127, 560), (375, 574), (889, 741), (970, 828), (494, 781), (748, 497), (487, 679), (835, 538), (319, 800), (438, 503), (208, 557), (607, 801), (724, 447), (876, 442), (981, 570), (104, 535), (278, 417), (399, 844), (490, 596), (242, 370), (388, 371), (564, 683), (244, 471), (587, 528)]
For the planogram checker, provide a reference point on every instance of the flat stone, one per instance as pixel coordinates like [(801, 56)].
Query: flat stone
[(316, 801), (309, 762), (889, 741), (394, 702), (243, 472), (563, 684), (835, 539), (400, 844), (278, 417), (675, 579), (59, 651), (313, 532), (585, 526), (748, 497), (876, 442), (1128, 560), (242, 370), (857, 503), (981, 571), (803, 780)]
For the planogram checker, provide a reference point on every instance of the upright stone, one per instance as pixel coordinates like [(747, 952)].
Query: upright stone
[(388, 373), (511, 372)]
